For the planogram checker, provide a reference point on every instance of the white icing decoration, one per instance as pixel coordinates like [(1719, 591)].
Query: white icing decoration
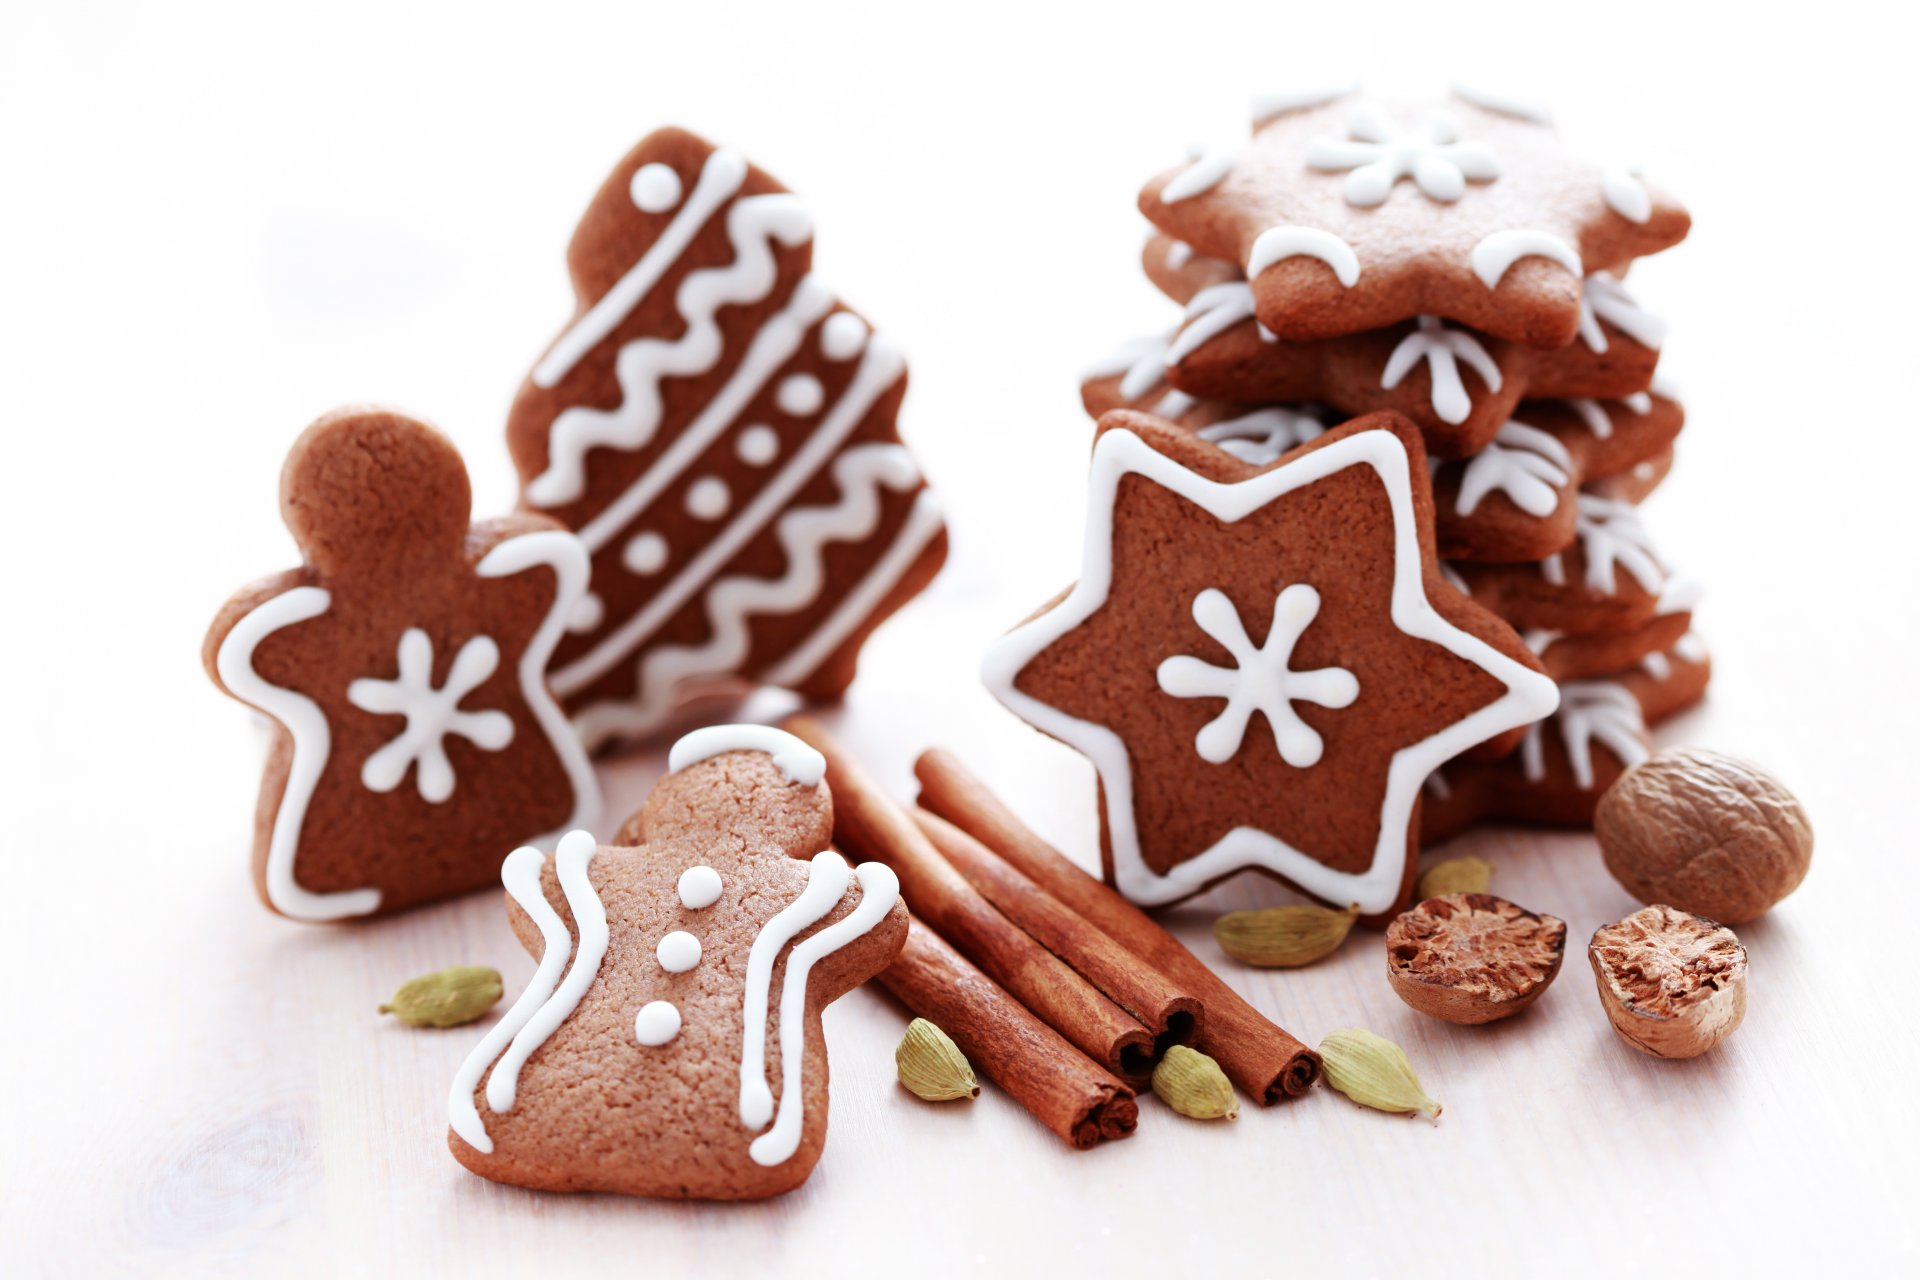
[(1210, 313), (1268, 107), (1639, 402), (1592, 417), (1604, 298), (1540, 639), (431, 714), (1504, 104), (1657, 666), (678, 952), (880, 367), (1276, 244), (1118, 454), (1626, 195), (843, 336), (521, 876), (1204, 174), (719, 178), (1377, 153), (1523, 462), (699, 888), (800, 395), (1442, 349), (1590, 711), (1179, 254), (645, 553), (757, 445), (588, 614), (1495, 255), (863, 474), (1260, 679), (1611, 535), (708, 498), (307, 725), (1262, 436), (827, 878), (1451, 576), (1554, 570), (1690, 648), (799, 763), (655, 188), (754, 225), (879, 890), (1438, 787), (657, 1023), (1680, 594)]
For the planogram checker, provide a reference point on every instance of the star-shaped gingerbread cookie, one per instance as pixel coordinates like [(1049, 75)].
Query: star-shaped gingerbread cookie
[(1349, 213), (1264, 662)]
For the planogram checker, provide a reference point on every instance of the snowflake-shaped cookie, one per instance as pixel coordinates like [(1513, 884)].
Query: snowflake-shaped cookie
[(1373, 671), (1496, 229)]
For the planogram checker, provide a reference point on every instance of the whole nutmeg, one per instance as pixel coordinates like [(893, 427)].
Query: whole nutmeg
[(1705, 832), (1674, 985), (1471, 957)]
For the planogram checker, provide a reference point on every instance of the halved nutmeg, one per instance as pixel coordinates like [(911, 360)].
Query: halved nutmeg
[(1674, 985), (1472, 957)]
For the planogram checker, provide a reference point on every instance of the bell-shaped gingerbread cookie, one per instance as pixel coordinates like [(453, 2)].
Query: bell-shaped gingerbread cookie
[(404, 669), (669, 1043)]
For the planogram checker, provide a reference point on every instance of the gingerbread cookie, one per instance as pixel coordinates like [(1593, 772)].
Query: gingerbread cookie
[(669, 1043), (1566, 763), (1306, 590), (1349, 214), (720, 431), (404, 669), (1610, 578), (1458, 386)]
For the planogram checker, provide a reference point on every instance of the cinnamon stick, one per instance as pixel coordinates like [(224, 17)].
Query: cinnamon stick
[(1263, 1060), (1172, 1014), (1057, 1084), (868, 823)]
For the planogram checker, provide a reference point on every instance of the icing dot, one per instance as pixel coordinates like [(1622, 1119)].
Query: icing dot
[(699, 887), (647, 553), (679, 951), (655, 188), (843, 335), (708, 498), (587, 614), (800, 395), (656, 1024), (758, 445)]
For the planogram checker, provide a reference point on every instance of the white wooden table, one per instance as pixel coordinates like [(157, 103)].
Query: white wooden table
[(221, 223)]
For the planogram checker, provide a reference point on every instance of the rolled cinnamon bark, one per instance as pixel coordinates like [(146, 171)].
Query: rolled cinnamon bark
[(1058, 1085), (1263, 1060), (867, 822), (1130, 981)]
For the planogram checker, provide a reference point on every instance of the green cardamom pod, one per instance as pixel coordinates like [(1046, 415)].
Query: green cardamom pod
[(449, 998), (1192, 1083), (1373, 1071), (1282, 937), (1455, 875), (931, 1065)]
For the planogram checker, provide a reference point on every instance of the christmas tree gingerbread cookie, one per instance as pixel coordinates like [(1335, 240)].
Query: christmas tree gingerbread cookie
[(719, 429), (403, 667), (669, 1043), (1264, 661)]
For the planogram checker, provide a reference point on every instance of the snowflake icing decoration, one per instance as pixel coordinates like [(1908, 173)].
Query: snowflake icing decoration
[(431, 714), (1443, 349), (1262, 679), (1377, 153)]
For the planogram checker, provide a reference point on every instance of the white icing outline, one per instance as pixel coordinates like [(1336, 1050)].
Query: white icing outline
[(827, 878), (1496, 253), (1529, 695), (1276, 244), (798, 763)]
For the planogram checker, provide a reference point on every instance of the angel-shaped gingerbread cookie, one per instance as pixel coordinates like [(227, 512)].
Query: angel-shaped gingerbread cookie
[(1264, 662), (669, 1043), (404, 669), (1349, 213), (719, 428)]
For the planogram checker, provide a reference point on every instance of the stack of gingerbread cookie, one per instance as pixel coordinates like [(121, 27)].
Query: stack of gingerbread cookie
[(1450, 261)]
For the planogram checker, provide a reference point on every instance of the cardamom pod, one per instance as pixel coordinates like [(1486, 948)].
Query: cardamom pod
[(931, 1065), (1283, 937), (448, 998), (1455, 875), (1373, 1071), (1192, 1083)]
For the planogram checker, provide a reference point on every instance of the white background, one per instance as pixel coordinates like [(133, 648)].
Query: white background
[(216, 224)]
